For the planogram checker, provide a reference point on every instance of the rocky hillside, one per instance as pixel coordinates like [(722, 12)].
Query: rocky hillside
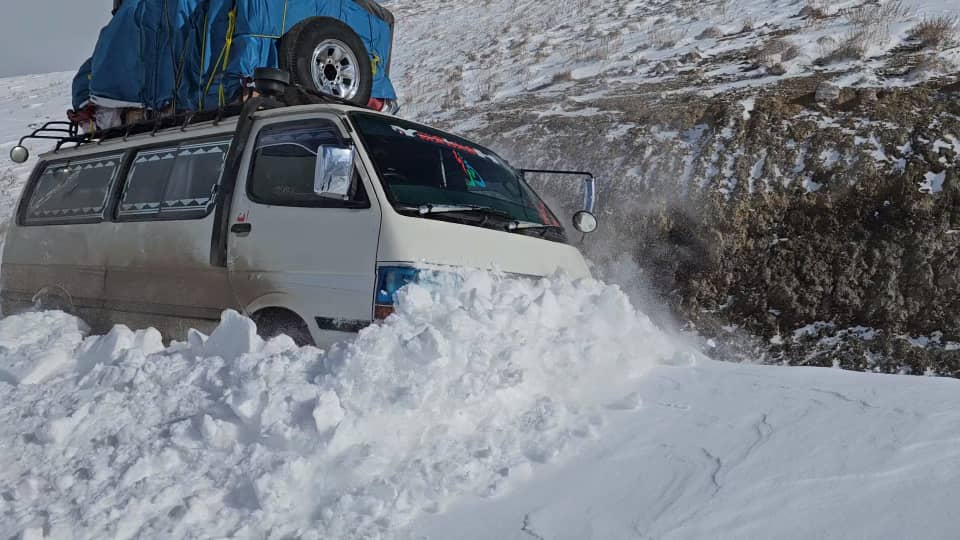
[(781, 173), (784, 174)]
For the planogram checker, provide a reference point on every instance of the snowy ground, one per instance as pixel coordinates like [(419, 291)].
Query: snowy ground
[(25, 103), (495, 409), (573, 54), (489, 408)]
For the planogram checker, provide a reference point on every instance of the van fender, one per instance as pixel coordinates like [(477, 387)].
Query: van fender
[(277, 300), (55, 298)]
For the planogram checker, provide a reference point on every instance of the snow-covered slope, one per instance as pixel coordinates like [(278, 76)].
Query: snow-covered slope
[(26, 102), (565, 56), (723, 450), (488, 408)]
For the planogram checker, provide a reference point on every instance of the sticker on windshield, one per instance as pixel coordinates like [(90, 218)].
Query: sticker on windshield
[(546, 217), (436, 139), (474, 180)]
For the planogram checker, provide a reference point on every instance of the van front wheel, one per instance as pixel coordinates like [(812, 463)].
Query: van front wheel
[(272, 322), (327, 56)]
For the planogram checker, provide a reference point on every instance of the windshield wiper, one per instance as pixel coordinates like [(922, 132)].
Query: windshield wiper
[(512, 225), (434, 209), (528, 225), (520, 226), (454, 208)]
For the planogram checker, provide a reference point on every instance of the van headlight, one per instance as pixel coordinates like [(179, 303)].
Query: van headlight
[(391, 279)]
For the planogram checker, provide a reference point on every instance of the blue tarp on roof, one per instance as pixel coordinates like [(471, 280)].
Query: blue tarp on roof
[(161, 53)]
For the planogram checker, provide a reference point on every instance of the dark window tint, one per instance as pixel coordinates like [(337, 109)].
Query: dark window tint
[(72, 192), (285, 161), (175, 183), (422, 166)]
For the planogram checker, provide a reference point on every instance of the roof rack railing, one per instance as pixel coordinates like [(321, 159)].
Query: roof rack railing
[(61, 131), (64, 132)]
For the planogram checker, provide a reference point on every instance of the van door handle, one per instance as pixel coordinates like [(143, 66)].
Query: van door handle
[(241, 229)]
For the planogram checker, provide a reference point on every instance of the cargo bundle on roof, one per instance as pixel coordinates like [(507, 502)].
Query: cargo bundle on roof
[(164, 56)]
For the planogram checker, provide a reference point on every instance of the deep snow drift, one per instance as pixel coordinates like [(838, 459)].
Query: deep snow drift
[(487, 408), (477, 381)]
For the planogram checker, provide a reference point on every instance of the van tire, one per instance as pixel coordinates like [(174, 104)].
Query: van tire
[(272, 322), (298, 53)]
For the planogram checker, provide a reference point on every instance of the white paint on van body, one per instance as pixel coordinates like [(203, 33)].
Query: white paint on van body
[(315, 262), (411, 240)]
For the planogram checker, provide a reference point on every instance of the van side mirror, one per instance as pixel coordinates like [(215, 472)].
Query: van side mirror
[(585, 220), (334, 172), (19, 154)]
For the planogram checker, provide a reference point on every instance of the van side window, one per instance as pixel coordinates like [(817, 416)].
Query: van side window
[(72, 192), (177, 182), (284, 165)]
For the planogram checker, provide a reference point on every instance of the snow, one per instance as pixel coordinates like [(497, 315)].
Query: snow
[(488, 407), (37, 346), (737, 451), (27, 101), (475, 384), (748, 105), (933, 182)]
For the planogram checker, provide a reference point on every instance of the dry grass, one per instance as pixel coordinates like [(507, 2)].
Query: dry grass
[(790, 53), (871, 26), (852, 47), (599, 48), (873, 14), (872, 22), (722, 8), (927, 65), (934, 32), (775, 52), (664, 37), (814, 10)]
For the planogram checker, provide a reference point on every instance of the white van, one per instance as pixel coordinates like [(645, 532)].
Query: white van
[(307, 218)]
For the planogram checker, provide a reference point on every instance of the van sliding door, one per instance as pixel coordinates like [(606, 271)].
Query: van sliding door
[(159, 270)]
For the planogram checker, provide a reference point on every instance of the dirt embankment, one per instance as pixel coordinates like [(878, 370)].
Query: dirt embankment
[(801, 223)]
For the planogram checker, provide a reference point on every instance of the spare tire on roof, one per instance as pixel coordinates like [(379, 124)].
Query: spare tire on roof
[(325, 55)]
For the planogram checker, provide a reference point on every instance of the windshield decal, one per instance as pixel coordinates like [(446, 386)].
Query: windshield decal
[(436, 139), (474, 180), (546, 217)]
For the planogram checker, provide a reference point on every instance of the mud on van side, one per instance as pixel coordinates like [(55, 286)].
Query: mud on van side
[(307, 218)]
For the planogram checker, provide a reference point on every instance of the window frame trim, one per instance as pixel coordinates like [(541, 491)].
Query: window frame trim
[(115, 216), (331, 203), (105, 215)]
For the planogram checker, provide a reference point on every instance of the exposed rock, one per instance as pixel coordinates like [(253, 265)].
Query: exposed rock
[(777, 69), (827, 93), (691, 57), (711, 32), (777, 215), (664, 68)]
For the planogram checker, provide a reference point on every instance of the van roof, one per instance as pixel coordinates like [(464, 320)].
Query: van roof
[(227, 125)]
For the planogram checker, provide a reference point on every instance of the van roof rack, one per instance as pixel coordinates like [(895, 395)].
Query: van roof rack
[(65, 132), (61, 131)]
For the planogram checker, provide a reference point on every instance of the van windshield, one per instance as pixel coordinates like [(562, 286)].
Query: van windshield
[(423, 169)]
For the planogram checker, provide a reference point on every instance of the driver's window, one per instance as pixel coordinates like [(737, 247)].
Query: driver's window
[(284, 165)]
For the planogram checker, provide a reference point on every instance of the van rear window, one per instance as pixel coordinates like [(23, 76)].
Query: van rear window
[(72, 192), (177, 182)]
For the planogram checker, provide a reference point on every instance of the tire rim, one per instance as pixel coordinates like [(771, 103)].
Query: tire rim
[(335, 69)]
